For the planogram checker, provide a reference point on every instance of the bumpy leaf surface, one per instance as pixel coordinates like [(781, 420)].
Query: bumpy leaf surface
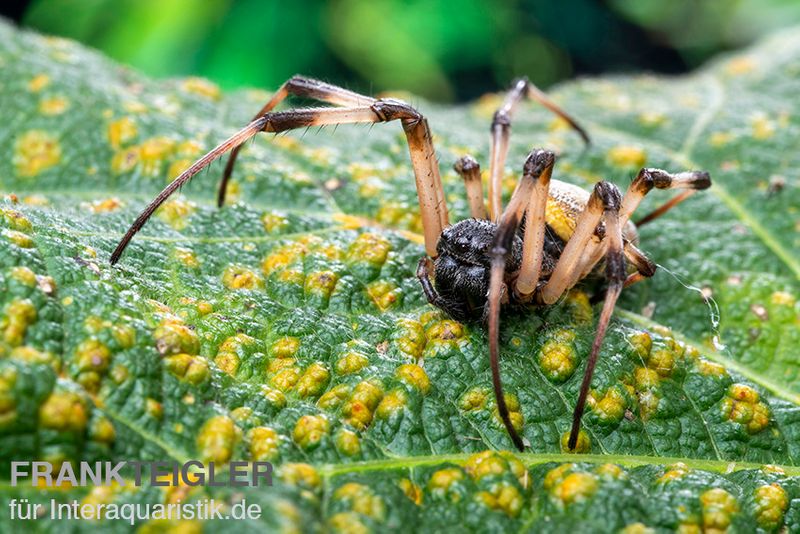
[(288, 326)]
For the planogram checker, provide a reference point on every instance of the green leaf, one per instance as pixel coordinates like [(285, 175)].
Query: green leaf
[(288, 326)]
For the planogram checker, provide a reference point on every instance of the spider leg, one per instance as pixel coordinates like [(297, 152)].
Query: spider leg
[(539, 164), (423, 158), (647, 179), (535, 226), (470, 171), (616, 275), (571, 257), (302, 87), (501, 127)]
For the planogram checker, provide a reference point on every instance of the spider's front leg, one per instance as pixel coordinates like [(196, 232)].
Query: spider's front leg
[(433, 208)]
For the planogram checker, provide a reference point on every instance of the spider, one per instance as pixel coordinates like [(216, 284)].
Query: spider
[(551, 235)]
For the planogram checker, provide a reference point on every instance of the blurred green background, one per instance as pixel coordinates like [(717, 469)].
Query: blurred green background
[(445, 50)]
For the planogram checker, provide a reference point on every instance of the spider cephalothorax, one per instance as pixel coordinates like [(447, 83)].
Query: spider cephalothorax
[(550, 236)]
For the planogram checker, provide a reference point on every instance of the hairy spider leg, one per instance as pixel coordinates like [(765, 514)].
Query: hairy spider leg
[(616, 276), (538, 167), (501, 131), (423, 158), (470, 172), (302, 87)]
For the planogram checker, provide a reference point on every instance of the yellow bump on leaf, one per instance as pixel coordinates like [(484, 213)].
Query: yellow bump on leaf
[(369, 248), (782, 298), (558, 357), (178, 166), (176, 212), (674, 472), (762, 126), (718, 139), (282, 257), (514, 413), (347, 523), (627, 156), (125, 160), (646, 378), (473, 399), (38, 82), (63, 411), (415, 376), (264, 443), (718, 506), (92, 355), (637, 528), (642, 343), (411, 490), (771, 502), (440, 482), (503, 497), (394, 402), (285, 347), (30, 354), (309, 431), (24, 276), (348, 442), (580, 306), (228, 362), (610, 471), (216, 439), (334, 397), (321, 283), (273, 222), (121, 132), (107, 205), (55, 105), (383, 293), (445, 330), (201, 86), (575, 487), (313, 381), (710, 368), (662, 361), (274, 396), (16, 220), (484, 464), (153, 408), (240, 277), (191, 369), (609, 408), (742, 405), (174, 337), (351, 362), (153, 153), (411, 337), (187, 257), (285, 379), (299, 474), (102, 430), (18, 238), (242, 414), (19, 315), (361, 499), (583, 445), (35, 151)]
